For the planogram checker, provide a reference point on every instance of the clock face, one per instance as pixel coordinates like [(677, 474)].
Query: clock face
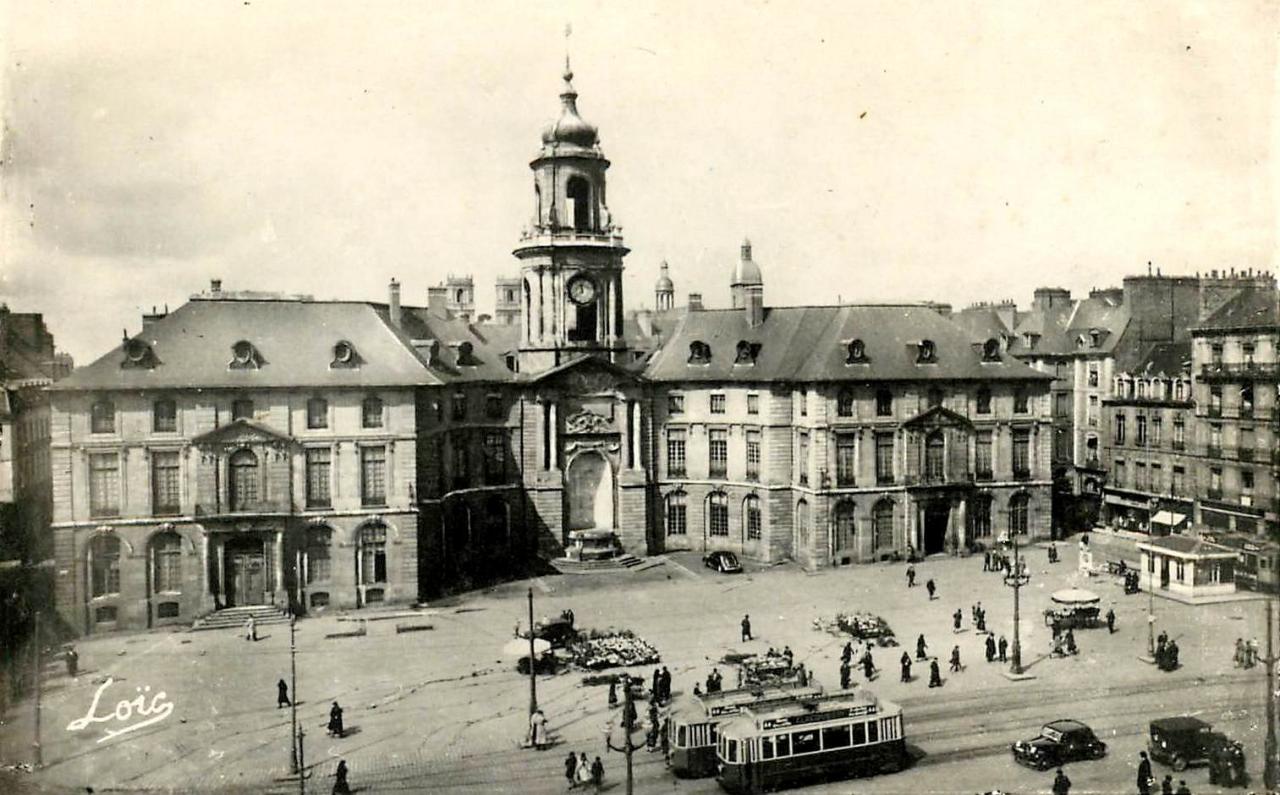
[(582, 290)]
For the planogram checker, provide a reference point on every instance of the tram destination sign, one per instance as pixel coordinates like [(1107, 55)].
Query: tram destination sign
[(817, 717), (725, 709)]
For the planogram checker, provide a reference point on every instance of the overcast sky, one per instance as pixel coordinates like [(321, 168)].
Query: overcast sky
[(882, 151)]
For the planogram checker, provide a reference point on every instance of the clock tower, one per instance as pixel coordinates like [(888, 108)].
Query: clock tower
[(571, 254)]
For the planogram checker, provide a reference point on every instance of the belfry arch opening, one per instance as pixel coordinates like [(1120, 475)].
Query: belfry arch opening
[(578, 192)]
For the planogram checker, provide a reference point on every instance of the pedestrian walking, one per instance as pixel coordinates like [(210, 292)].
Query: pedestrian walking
[(340, 785), (911, 576), (955, 659), (905, 662), (72, 659), (664, 743), (844, 675), (921, 646), (1251, 652), (986, 561), (250, 629), (282, 695), (597, 773), (335, 721), (538, 729), (1166, 786), (955, 620), (746, 628), (613, 693), (1061, 784), (982, 619), (931, 588), (570, 769), (1004, 647), (991, 649), (1239, 655), (1111, 621), (1182, 788), (629, 715), (583, 773), (666, 685), (697, 689), (847, 653), (1144, 774), (788, 654), (1071, 642), (802, 676), (868, 665), (935, 675)]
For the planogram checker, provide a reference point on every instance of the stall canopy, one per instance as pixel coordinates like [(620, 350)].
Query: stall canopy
[(1168, 517)]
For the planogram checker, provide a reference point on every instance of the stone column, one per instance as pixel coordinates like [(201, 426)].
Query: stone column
[(279, 556), (636, 434), (553, 433), (222, 573)]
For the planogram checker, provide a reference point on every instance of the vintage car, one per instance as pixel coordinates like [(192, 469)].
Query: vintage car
[(723, 562), (1059, 742), (1184, 740)]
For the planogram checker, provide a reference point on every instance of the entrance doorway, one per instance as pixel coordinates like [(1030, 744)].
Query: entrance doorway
[(589, 490), (246, 572), (1164, 573), (937, 516)]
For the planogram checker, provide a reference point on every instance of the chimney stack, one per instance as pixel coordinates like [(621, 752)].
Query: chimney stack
[(695, 302), (394, 303), (437, 299), (215, 286)]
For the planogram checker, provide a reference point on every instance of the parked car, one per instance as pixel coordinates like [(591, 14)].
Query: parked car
[(1059, 742), (723, 562), (1184, 740)]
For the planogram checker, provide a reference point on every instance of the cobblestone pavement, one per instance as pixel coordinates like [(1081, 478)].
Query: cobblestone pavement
[(442, 710)]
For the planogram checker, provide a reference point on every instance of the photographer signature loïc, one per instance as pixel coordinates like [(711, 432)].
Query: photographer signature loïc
[(126, 710)]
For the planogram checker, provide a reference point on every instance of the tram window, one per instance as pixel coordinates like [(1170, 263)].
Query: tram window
[(835, 737), (859, 733), (766, 747), (783, 743), (805, 742), (681, 739), (731, 748), (873, 732)]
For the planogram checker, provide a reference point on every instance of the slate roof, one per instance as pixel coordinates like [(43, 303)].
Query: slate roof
[(981, 323), (810, 344), (295, 338), (1165, 358), (1183, 546), (1249, 309), (490, 344)]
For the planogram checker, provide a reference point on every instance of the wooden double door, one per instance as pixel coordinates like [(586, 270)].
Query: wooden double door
[(246, 574)]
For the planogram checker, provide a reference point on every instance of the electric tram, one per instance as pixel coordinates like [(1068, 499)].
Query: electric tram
[(786, 744), (691, 728)]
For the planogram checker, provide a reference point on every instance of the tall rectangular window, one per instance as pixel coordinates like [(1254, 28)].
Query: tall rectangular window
[(1021, 403), (675, 452), (102, 417), (164, 416), (1157, 477), (1122, 475), (1119, 434), (318, 462), (846, 461), (371, 412), (982, 457), (884, 458), (317, 413), (844, 403), (1140, 475), (1215, 401), (677, 516), (495, 457), (1179, 478), (1157, 430), (1021, 453), (717, 452), (1093, 375), (675, 404), (459, 406), (1141, 422), (753, 403), (373, 476), (753, 455), (165, 500), (718, 514), (461, 461), (717, 403), (1062, 405), (804, 402), (802, 459), (1093, 411), (104, 484)]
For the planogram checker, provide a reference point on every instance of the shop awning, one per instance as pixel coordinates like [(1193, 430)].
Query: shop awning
[(1116, 499), (1168, 517)]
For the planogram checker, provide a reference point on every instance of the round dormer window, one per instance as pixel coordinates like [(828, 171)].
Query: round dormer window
[(991, 350), (857, 350), (243, 352), (343, 352), (136, 350), (927, 350)]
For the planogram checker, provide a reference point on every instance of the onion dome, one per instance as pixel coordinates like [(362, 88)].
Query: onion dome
[(570, 128), (664, 281), (747, 271)]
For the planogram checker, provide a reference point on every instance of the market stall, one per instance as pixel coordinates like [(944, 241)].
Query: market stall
[(861, 625), (611, 649), (1073, 608)]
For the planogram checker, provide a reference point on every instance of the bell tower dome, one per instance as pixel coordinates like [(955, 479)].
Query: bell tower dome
[(571, 254)]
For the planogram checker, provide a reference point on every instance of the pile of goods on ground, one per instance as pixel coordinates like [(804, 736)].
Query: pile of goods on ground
[(861, 625), (767, 669), (610, 649)]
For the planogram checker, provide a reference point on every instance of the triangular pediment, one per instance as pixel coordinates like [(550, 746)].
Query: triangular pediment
[(242, 432), (587, 375), (939, 417)]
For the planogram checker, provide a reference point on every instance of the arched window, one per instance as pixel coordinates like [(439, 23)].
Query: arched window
[(751, 525), (164, 416), (319, 566), (166, 562), (371, 412), (802, 524), (373, 554), (104, 565), (857, 352), (882, 524), (317, 413), (845, 526), (991, 350), (844, 403), (935, 457), (578, 191), (980, 516), (926, 352), (984, 400), (718, 513), (1018, 514), (884, 403), (677, 514), (699, 352), (244, 480), (102, 416)]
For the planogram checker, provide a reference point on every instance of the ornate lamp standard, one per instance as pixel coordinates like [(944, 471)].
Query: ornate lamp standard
[(1016, 578)]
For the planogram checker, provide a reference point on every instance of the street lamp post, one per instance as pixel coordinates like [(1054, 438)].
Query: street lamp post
[(533, 680), (1271, 764), (1015, 579)]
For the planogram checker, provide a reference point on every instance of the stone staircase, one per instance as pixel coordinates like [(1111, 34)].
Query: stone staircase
[(234, 617), (620, 563)]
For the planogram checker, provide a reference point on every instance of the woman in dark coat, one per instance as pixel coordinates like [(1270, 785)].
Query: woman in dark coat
[(335, 720), (340, 785), (935, 676), (906, 667), (920, 647)]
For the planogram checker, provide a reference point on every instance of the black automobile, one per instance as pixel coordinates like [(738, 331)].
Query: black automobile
[(1184, 740), (723, 562), (1059, 742)]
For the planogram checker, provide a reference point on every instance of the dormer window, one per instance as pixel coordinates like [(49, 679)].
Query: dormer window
[(857, 352), (699, 352), (1029, 340), (1094, 337), (137, 353), (465, 356), (244, 356), (344, 355), (926, 352), (1080, 342), (748, 352), (991, 350)]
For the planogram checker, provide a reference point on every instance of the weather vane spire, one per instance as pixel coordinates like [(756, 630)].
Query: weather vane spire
[(568, 70)]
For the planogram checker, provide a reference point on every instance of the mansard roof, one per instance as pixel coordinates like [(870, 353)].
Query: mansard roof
[(805, 344), (1249, 309), (456, 350), (293, 343)]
